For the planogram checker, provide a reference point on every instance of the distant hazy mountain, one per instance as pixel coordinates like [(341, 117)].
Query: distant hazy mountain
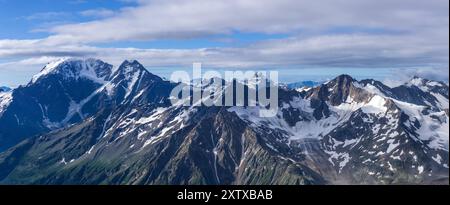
[(4, 89), (303, 84), (85, 122)]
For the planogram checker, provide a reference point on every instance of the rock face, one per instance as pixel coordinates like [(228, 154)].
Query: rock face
[(67, 92), (64, 92), (122, 129)]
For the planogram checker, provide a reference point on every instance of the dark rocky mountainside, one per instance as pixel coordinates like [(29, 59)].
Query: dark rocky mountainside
[(85, 122)]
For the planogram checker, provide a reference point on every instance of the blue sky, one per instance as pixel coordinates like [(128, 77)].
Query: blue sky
[(304, 40), (19, 18)]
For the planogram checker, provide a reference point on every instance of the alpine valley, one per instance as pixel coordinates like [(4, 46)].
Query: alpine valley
[(88, 122)]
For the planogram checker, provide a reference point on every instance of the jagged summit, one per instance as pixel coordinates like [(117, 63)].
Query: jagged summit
[(344, 77), (130, 66), (338, 91), (93, 69), (131, 61)]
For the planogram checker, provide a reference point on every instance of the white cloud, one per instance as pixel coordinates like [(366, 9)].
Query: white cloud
[(98, 13), (347, 50), (47, 15), (157, 19)]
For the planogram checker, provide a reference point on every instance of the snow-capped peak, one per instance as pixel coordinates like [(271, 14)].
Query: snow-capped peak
[(130, 61), (129, 67), (49, 68), (92, 69), (417, 81), (424, 84), (5, 100)]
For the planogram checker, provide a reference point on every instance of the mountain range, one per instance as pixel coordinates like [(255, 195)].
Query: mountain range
[(88, 122)]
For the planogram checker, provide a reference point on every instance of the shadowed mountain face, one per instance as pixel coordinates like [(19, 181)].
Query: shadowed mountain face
[(63, 93), (85, 122), (68, 92)]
